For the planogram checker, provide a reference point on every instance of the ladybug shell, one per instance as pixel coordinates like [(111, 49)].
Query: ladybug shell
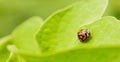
[(83, 34)]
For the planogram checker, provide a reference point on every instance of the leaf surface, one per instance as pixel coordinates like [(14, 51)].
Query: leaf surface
[(24, 35), (4, 53), (104, 46), (59, 30)]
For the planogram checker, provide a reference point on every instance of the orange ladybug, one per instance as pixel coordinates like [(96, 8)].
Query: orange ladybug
[(83, 35)]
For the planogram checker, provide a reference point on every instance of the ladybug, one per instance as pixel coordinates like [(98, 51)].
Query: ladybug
[(83, 35)]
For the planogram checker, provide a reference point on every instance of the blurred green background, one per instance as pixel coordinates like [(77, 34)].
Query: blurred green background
[(14, 12)]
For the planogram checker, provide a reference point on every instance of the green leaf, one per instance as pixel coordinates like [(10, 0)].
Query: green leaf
[(4, 41), (13, 56), (102, 47), (80, 55), (24, 35), (104, 32), (59, 30), (4, 53), (16, 58)]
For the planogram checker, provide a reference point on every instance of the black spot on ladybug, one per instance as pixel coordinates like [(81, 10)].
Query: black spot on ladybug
[(83, 35)]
